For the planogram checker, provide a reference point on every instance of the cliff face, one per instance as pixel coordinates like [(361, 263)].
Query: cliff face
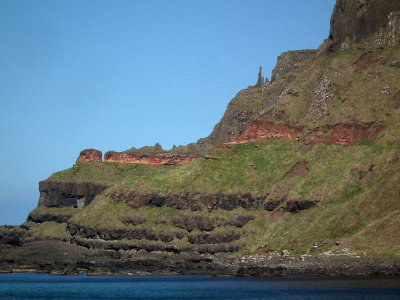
[(67, 194), (262, 130), (252, 102), (89, 155), (339, 134), (247, 197), (163, 158), (356, 20)]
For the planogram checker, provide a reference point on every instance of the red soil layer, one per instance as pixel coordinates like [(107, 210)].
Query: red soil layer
[(89, 155), (263, 130), (342, 134), (166, 158)]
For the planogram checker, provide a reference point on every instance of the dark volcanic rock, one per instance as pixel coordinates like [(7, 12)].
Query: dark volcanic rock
[(270, 205), (295, 206), (113, 234), (239, 220), (39, 217), (214, 238), (12, 235), (218, 248), (185, 200), (184, 222), (64, 194), (133, 220), (356, 20), (290, 61), (204, 223)]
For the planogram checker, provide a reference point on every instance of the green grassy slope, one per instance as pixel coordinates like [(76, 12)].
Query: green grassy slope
[(358, 210)]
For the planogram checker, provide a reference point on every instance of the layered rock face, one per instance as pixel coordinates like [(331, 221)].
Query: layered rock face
[(339, 134), (289, 62), (263, 130), (67, 194), (355, 20), (89, 155), (350, 134), (11, 235), (209, 202), (252, 102), (163, 158)]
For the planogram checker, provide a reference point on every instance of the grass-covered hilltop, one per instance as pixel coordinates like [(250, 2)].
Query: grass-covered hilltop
[(300, 177)]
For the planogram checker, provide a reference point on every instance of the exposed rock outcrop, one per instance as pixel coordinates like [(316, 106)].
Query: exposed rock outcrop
[(218, 238), (263, 130), (199, 202), (12, 235), (252, 102), (356, 20), (350, 134), (260, 80), (289, 62), (163, 158), (64, 194), (40, 217), (339, 134), (239, 220), (89, 155)]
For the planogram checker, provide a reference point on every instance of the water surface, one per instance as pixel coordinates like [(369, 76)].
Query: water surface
[(45, 286)]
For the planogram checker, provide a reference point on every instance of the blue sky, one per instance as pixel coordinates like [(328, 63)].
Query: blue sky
[(112, 75)]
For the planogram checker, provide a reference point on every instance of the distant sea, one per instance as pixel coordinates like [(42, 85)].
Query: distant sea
[(45, 286)]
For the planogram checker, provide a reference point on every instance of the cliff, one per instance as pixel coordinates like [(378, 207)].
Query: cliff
[(163, 158), (252, 102), (89, 155), (300, 177), (66, 194), (338, 134), (354, 21)]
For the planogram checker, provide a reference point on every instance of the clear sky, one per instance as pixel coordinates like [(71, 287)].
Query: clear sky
[(115, 74)]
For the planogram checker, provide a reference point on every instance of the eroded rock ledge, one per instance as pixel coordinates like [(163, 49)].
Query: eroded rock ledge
[(198, 201), (68, 194), (338, 134), (163, 158), (89, 155)]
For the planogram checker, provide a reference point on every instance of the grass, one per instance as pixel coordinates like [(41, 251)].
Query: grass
[(107, 173), (48, 231), (362, 216), (345, 212), (67, 211)]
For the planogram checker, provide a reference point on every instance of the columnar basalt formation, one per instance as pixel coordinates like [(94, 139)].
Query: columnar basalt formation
[(339, 134), (89, 155), (195, 201), (163, 158), (356, 20), (263, 130), (68, 194)]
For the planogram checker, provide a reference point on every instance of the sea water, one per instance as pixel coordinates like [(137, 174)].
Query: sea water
[(45, 286)]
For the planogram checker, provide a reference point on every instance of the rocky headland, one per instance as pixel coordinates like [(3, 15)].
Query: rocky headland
[(299, 178)]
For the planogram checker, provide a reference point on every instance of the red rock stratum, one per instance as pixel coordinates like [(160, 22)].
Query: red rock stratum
[(89, 155), (338, 134), (163, 158)]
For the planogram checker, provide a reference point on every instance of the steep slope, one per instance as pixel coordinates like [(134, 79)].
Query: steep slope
[(308, 163)]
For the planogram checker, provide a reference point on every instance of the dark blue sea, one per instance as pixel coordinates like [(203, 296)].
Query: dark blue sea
[(45, 286)]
